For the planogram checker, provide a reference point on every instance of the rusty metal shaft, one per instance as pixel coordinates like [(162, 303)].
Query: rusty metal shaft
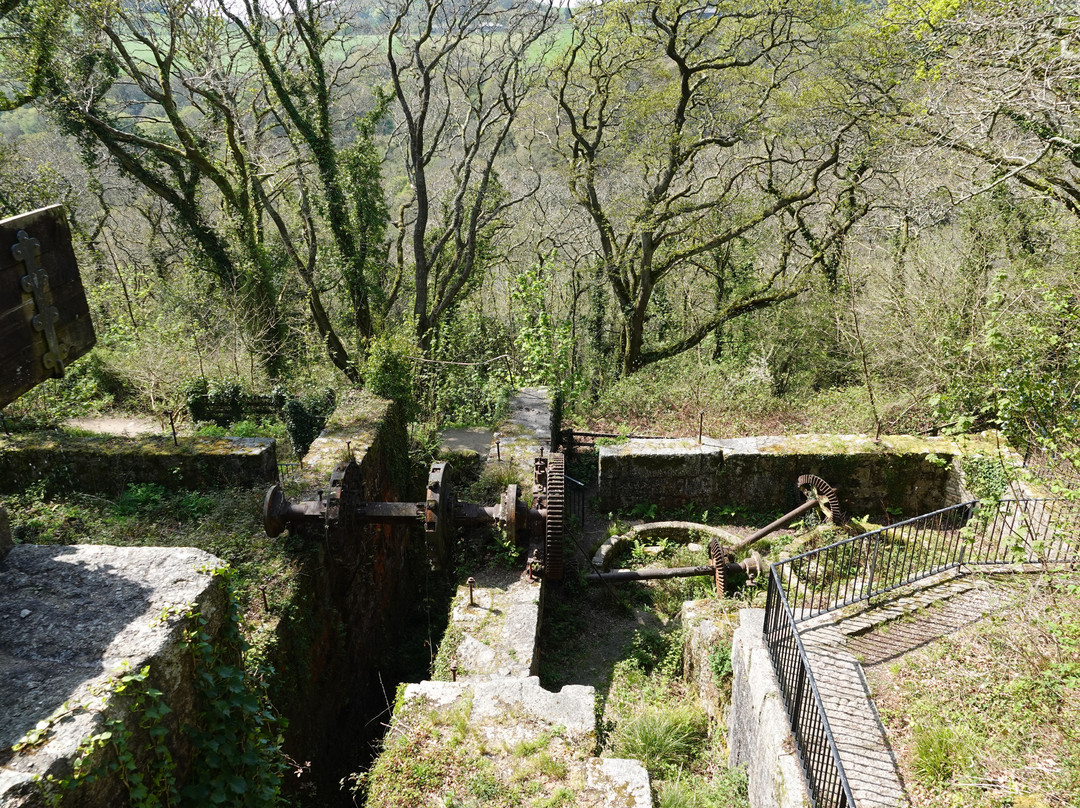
[(809, 505), (650, 573)]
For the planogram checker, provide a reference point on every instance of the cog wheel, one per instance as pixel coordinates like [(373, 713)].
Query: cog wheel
[(343, 498), (718, 557), (555, 524), (815, 487), (439, 514), (508, 513)]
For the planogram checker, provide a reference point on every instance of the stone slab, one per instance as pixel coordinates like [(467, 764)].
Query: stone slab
[(350, 432), (499, 632), (506, 713), (759, 734), (476, 439), (70, 618)]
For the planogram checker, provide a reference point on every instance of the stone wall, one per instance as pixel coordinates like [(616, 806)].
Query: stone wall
[(759, 736), (72, 620), (107, 464), (914, 475), (337, 653)]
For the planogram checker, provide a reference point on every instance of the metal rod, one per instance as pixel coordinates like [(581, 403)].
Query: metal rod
[(810, 504), (651, 573)]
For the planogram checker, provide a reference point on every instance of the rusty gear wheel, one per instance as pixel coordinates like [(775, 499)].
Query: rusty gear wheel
[(343, 499), (815, 487), (718, 557), (439, 514), (555, 523)]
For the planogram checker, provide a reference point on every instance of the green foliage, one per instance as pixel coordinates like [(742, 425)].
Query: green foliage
[(88, 386), (654, 650), (305, 418), (726, 791), (940, 752), (237, 735), (467, 383), (664, 740), (139, 498), (543, 348), (720, 661), (986, 477), (390, 371)]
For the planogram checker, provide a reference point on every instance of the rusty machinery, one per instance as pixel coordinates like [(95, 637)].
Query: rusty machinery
[(725, 571), (343, 508)]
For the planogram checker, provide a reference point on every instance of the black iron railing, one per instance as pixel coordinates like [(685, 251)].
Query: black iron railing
[(1052, 468), (1030, 531), (814, 742), (1009, 531)]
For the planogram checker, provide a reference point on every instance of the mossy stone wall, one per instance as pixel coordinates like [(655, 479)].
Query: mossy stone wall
[(107, 464), (336, 648), (899, 474)]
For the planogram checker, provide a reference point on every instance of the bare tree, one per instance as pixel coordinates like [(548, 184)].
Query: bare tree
[(682, 133), (225, 115), (996, 82), (460, 73)]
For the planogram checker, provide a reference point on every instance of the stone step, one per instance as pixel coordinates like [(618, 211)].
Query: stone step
[(900, 607), (507, 735)]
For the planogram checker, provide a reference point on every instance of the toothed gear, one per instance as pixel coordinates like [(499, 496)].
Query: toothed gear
[(439, 514), (344, 496), (825, 494), (555, 527), (718, 557)]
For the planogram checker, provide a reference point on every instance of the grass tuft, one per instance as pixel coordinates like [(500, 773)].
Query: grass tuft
[(663, 740)]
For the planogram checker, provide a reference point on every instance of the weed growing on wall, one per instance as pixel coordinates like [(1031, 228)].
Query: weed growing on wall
[(236, 739), (986, 477)]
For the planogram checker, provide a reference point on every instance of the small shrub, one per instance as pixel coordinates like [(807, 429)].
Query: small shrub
[(986, 478), (651, 648), (139, 498), (493, 482), (193, 505), (305, 418), (720, 661)]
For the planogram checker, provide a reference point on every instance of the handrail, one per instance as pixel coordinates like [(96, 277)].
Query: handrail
[(968, 534)]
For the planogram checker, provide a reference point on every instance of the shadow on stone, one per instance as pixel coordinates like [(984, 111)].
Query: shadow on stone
[(61, 611)]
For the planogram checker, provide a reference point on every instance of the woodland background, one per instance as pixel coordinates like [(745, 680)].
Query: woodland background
[(815, 215)]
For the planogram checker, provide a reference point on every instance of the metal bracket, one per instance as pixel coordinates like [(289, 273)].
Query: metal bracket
[(36, 282)]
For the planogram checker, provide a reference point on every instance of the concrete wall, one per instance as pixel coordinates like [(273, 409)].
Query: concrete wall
[(916, 475)]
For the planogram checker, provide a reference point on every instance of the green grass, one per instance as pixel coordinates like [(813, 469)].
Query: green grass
[(664, 740), (993, 711)]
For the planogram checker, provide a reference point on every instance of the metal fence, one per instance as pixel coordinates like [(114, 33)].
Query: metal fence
[(814, 742), (1051, 468), (1030, 531)]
